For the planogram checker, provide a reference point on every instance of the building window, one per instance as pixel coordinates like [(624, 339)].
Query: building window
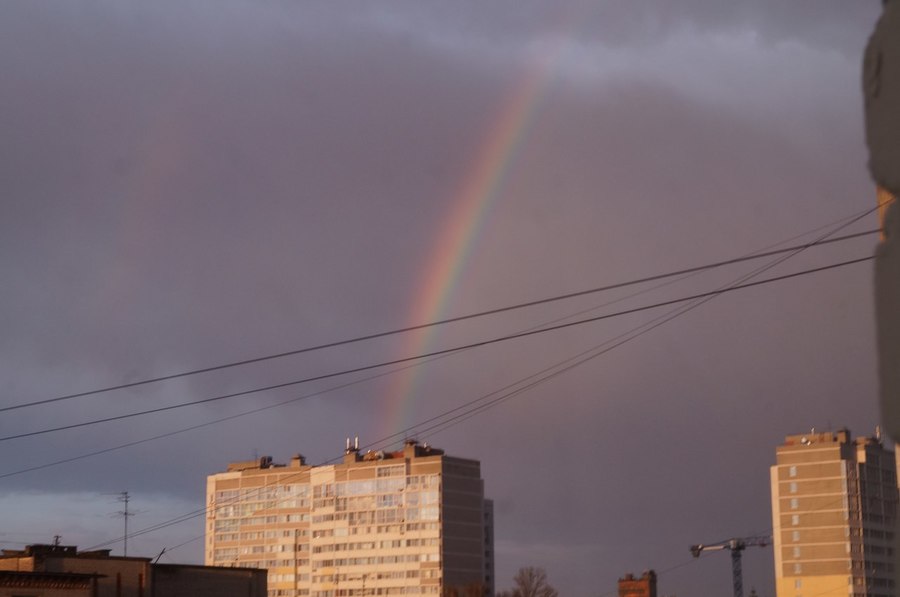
[(792, 471), (391, 471), (796, 535), (798, 584), (793, 487), (795, 519), (795, 503), (798, 569), (796, 552)]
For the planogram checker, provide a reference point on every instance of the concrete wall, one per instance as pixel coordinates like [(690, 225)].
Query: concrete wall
[(39, 584), (121, 577), (173, 580)]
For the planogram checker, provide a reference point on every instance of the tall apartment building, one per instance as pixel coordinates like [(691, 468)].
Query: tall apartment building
[(834, 504), (411, 522)]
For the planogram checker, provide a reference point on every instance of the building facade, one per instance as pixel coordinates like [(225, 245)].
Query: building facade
[(50, 570), (47, 584), (834, 504), (411, 522), (643, 586)]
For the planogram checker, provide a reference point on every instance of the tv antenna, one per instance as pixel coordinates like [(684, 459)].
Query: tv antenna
[(124, 497)]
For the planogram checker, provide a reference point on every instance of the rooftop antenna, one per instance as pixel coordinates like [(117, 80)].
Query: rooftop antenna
[(160, 555), (124, 498), (56, 539)]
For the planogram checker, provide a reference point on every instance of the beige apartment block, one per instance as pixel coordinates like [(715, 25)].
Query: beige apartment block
[(834, 503), (411, 522)]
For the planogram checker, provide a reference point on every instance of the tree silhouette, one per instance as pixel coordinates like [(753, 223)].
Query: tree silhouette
[(530, 582)]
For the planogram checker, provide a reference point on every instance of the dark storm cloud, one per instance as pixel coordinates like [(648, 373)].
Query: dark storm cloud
[(195, 182)]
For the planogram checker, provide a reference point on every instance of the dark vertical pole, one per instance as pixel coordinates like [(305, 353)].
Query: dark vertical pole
[(736, 572)]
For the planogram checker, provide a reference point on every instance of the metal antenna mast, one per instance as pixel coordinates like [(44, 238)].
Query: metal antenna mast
[(125, 498)]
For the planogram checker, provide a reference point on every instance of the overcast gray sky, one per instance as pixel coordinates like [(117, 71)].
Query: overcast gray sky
[(192, 183)]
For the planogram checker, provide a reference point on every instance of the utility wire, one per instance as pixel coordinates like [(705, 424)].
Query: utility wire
[(702, 299), (478, 344), (449, 320), (583, 357), (605, 347), (678, 312), (205, 424), (664, 318), (418, 364), (403, 432)]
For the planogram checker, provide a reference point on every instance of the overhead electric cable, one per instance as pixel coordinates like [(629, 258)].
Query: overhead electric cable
[(205, 424), (666, 317), (599, 351), (407, 366), (400, 369), (379, 375), (449, 320), (538, 378), (480, 343)]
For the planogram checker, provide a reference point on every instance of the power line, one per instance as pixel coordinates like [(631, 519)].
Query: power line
[(449, 320), (408, 366), (403, 368), (201, 425), (613, 343), (628, 336), (663, 319), (434, 353)]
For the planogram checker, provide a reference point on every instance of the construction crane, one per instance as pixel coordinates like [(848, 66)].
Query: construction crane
[(736, 546)]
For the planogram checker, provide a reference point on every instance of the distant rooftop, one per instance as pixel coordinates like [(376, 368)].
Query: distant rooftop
[(41, 550), (411, 449), (840, 436)]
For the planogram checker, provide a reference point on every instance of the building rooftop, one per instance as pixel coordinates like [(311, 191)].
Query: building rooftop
[(411, 449), (47, 551)]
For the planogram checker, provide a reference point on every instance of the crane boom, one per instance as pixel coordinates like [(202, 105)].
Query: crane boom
[(736, 546)]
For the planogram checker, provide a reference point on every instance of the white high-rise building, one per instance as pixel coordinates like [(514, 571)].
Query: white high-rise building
[(411, 522)]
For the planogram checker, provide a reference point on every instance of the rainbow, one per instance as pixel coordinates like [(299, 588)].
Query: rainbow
[(467, 218)]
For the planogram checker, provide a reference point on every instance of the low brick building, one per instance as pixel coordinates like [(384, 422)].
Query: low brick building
[(645, 586), (47, 584), (66, 572)]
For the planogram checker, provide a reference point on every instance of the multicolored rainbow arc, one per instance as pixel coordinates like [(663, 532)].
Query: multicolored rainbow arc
[(468, 217)]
